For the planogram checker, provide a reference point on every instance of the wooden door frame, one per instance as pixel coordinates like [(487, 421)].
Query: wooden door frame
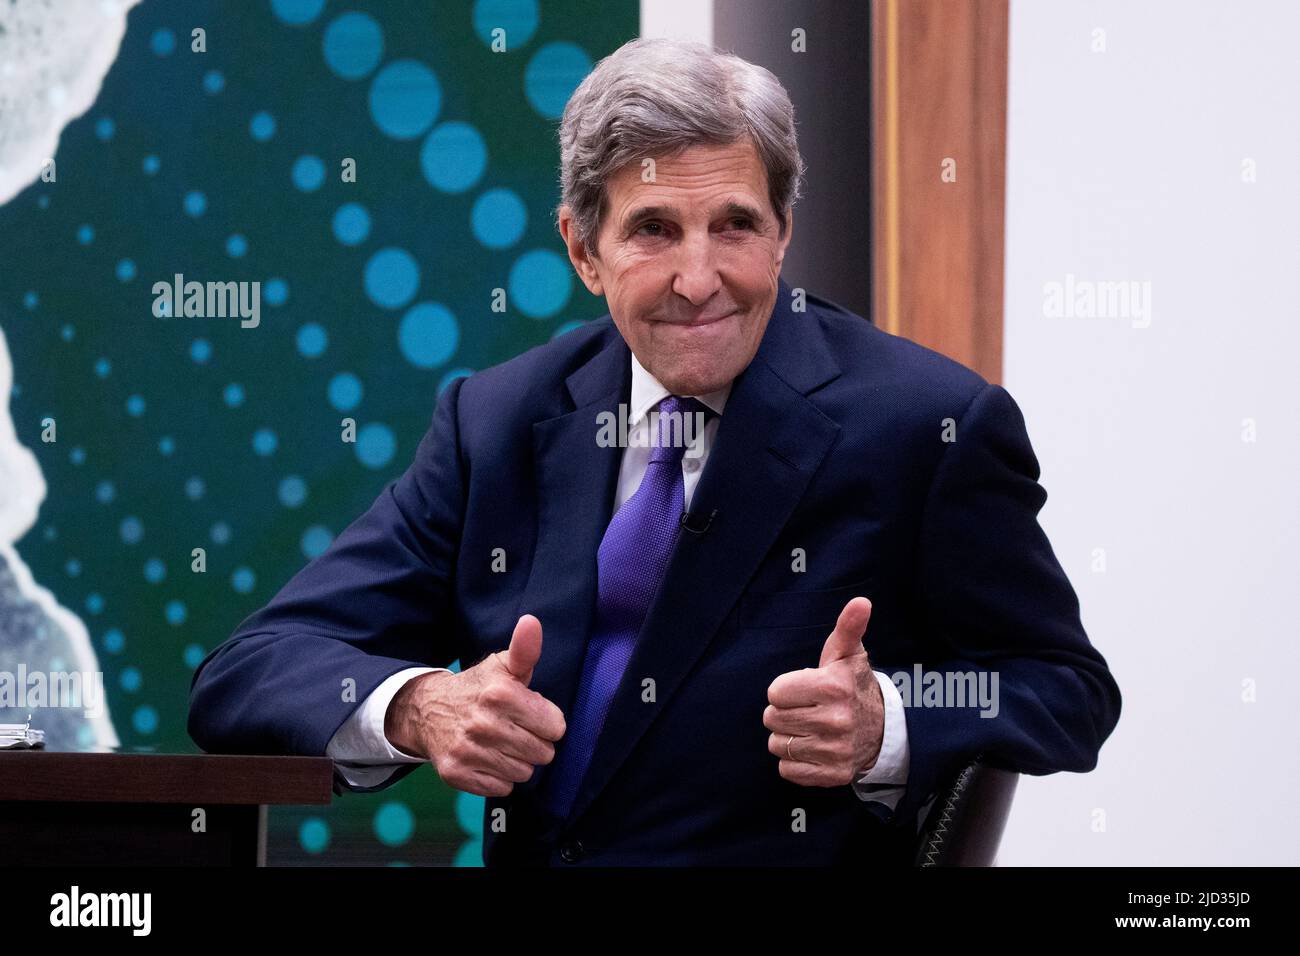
[(939, 96)]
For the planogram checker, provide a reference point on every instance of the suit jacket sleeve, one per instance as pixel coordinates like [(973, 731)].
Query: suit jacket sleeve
[(994, 599), (376, 602)]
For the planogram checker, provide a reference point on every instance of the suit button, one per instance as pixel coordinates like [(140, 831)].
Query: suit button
[(571, 852)]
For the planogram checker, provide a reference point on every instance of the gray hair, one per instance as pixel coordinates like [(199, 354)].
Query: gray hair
[(656, 96)]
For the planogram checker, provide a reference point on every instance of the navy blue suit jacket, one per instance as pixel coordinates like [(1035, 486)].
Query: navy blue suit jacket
[(833, 442)]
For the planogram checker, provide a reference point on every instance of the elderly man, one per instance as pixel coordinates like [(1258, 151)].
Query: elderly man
[(746, 651)]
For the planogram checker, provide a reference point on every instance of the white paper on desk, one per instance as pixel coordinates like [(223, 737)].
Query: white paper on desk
[(20, 737)]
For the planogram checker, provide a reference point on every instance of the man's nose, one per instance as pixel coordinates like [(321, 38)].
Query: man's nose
[(696, 276)]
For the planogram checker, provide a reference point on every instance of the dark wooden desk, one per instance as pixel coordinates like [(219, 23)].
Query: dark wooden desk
[(143, 809)]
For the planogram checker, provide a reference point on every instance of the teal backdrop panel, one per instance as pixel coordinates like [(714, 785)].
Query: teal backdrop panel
[(159, 433)]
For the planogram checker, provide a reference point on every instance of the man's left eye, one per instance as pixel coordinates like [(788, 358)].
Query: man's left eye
[(745, 223)]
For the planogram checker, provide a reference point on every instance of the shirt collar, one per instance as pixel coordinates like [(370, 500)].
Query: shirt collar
[(647, 392)]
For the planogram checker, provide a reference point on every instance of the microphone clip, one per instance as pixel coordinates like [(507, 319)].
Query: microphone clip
[(697, 524)]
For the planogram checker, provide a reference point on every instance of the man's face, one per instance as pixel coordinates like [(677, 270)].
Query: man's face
[(688, 263)]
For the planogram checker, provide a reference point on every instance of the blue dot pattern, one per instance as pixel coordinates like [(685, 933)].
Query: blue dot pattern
[(351, 224), (353, 45), (428, 335), (540, 283), (200, 464), (262, 126), (314, 835), (315, 541), (394, 823), (405, 98), (499, 218), (392, 278), (511, 22), (553, 73), (453, 157), (308, 173), (312, 340), (345, 391)]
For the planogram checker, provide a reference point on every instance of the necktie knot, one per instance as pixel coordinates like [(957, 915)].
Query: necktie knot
[(677, 424)]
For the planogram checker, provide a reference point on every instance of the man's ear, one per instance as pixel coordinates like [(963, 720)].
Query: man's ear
[(784, 242), (578, 254)]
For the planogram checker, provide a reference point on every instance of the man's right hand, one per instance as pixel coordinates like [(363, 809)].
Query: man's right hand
[(482, 729)]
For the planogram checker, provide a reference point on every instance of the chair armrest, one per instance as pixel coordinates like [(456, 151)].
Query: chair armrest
[(965, 822)]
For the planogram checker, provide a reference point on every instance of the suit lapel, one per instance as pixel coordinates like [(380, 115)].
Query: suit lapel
[(575, 486), (769, 444)]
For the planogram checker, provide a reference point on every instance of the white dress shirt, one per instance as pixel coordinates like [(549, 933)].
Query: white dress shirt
[(365, 758)]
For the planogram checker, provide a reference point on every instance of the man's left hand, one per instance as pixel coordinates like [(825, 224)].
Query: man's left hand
[(835, 712)]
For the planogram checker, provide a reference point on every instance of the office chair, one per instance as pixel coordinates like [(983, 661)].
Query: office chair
[(965, 822)]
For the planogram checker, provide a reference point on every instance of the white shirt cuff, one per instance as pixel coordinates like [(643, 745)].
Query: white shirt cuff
[(886, 781), (362, 754)]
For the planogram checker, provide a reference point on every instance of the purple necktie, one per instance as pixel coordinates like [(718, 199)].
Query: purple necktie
[(630, 563)]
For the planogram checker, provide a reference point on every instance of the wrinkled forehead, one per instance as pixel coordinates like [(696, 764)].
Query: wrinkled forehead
[(715, 176)]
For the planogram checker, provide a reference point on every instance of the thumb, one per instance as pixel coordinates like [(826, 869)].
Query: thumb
[(525, 648), (846, 639)]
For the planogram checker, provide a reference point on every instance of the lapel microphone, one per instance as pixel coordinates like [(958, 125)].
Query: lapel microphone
[(698, 524)]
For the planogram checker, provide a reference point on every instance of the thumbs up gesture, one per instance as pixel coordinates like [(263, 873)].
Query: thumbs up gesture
[(483, 729), (828, 721)]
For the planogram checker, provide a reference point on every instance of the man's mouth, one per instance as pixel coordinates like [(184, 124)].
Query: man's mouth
[(702, 320)]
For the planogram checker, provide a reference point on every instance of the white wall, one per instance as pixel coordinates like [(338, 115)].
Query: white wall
[(678, 19), (1128, 165)]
